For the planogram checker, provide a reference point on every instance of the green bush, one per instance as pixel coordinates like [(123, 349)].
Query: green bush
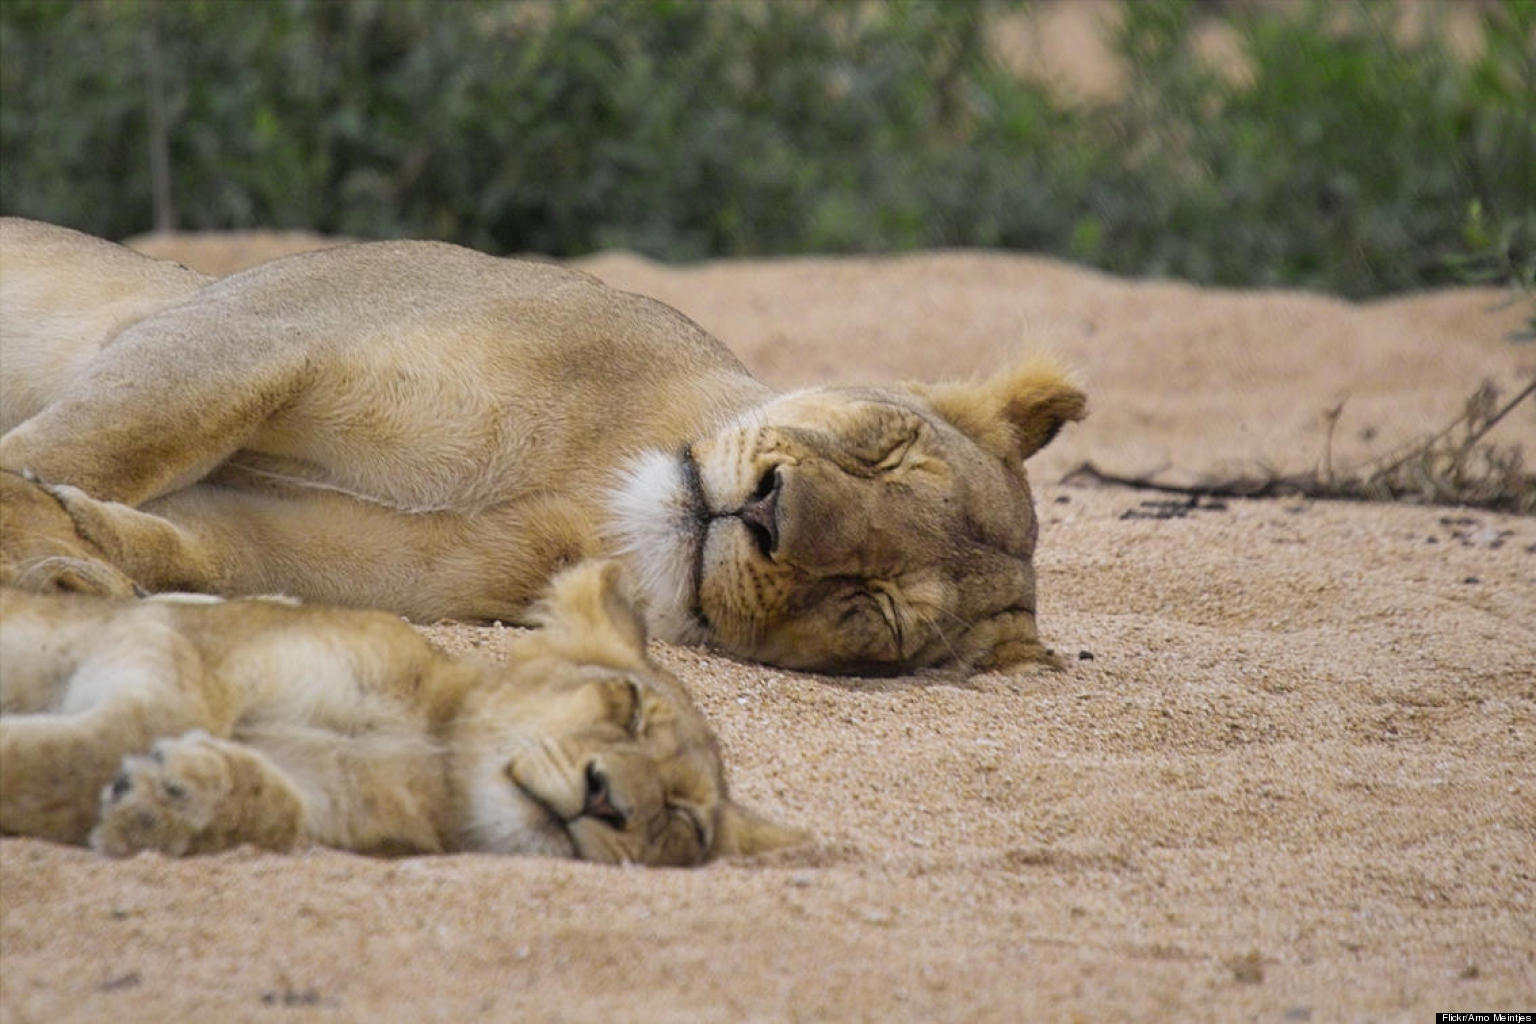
[(1350, 162), (686, 130)]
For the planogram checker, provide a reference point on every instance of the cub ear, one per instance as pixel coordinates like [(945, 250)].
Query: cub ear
[(592, 609), (742, 833), (1012, 414)]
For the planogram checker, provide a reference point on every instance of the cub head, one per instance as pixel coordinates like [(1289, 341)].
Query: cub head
[(588, 749), (854, 529)]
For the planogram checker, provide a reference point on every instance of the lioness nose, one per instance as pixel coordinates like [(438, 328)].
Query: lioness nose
[(761, 512)]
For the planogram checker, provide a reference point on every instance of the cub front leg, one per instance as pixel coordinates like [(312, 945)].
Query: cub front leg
[(81, 687), (51, 768), (198, 794)]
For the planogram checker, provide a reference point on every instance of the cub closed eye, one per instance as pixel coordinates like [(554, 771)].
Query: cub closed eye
[(636, 721), (696, 823)]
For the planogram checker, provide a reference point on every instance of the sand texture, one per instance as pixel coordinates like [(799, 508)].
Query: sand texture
[(1285, 776)]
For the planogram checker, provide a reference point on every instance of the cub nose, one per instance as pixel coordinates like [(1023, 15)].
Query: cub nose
[(599, 800), (761, 512)]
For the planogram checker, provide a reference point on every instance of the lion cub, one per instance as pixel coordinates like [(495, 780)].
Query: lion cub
[(188, 726)]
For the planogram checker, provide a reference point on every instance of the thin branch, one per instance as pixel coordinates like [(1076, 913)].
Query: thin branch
[(1427, 470), (159, 130), (1494, 419), (1240, 487)]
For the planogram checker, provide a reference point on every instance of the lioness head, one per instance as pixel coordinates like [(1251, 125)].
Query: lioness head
[(855, 529), (591, 750)]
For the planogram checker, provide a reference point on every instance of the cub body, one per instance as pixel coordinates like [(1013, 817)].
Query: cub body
[(188, 725)]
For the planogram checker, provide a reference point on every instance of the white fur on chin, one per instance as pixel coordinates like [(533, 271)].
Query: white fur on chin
[(503, 820), (653, 522)]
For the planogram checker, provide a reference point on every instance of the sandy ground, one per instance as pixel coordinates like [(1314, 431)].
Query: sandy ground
[(1286, 775)]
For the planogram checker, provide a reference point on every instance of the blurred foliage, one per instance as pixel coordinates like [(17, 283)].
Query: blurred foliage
[(1346, 161)]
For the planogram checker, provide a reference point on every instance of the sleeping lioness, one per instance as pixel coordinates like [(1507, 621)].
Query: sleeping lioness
[(188, 727), (422, 428)]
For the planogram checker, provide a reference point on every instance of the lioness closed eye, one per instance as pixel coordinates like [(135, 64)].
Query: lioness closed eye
[(192, 727), (422, 428)]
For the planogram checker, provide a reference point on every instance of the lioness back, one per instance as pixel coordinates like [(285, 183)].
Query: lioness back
[(56, 318)]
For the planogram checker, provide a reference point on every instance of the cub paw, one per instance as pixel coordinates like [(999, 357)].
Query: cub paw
[(165, 800)]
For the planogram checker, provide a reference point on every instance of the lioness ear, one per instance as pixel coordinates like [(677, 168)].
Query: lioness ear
[(742, 833), (1012, 414), (592, 606)]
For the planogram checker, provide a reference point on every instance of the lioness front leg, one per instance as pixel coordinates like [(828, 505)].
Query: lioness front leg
[(198, 794), (163, 404), (42, 551), (157, 553)]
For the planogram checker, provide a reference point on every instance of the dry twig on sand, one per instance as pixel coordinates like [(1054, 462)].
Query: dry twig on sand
[(1454, 466)]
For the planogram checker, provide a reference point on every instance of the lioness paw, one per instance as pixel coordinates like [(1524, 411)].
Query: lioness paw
[(61, 574), (42, 551), (86, 513)]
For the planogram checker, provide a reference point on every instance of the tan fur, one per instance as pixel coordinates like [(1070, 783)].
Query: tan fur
[(418, 427), (40, 549), (193, 726)]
